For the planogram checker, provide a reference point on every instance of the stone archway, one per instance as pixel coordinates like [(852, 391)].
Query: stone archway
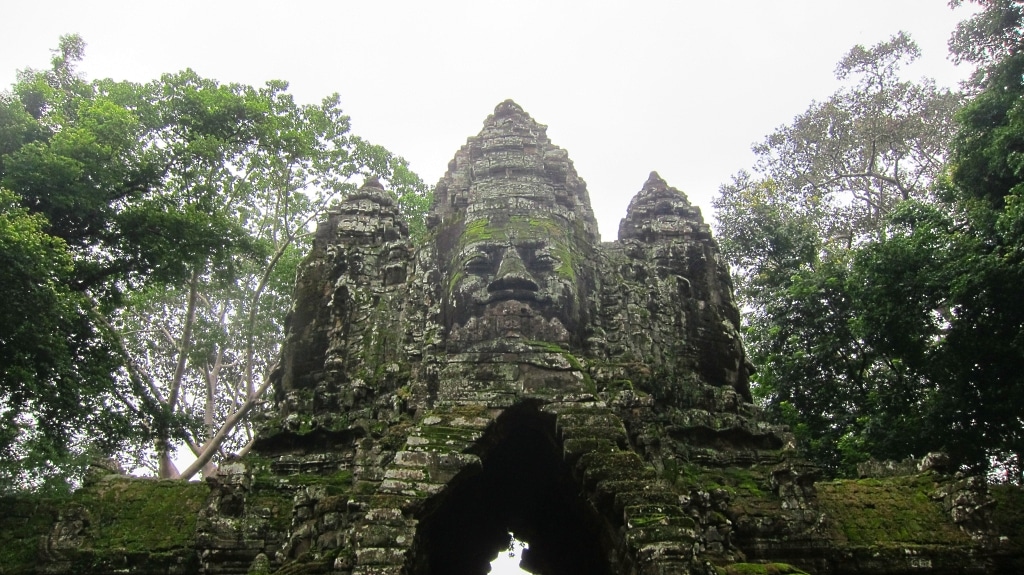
[(525, 488)]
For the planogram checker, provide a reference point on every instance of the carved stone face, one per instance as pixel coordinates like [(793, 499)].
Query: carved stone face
[(516, 279)]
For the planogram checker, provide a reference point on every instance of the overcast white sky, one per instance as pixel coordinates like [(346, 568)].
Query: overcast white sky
[(680, 87)]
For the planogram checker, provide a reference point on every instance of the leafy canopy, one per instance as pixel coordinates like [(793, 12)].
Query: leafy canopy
[(150, 234)]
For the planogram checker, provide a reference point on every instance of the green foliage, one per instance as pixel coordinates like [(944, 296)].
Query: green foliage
[(988, 37), (828, 183), (55, 370), (414, 198), (896, 328), (150, 240), (958, 319), (249, 172)]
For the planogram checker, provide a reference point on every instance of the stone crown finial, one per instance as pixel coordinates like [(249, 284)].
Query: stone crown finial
[(373, 182), (655, 183), (508, 108)]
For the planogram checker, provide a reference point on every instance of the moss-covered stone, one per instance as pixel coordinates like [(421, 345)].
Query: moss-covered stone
[(24, 522), (890, 512), (1008, 518), (759, 569), (141, 515), (111, 524)]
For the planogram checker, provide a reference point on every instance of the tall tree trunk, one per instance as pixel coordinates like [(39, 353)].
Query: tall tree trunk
[(165, 466)]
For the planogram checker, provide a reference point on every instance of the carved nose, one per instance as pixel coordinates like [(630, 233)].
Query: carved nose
[(512, 274)]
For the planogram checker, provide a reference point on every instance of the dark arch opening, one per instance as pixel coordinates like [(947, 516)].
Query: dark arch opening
[(524, 488)]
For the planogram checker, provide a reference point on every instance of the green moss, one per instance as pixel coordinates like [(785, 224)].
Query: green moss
[(395, 436), (579, 446), (144, 519), (466, 411), (649, 519), (337, 423), (616, 385), (454, 279), (23, 521), (759, 569), (366, 487), (558, 236), (890, 512), (443, 436), (477, 231), (744, 481), (388, 500), (682, 475), (338, 483), (305, 565), (377, 354), (377, 428), (522, 227), (737, 481), (143, 515), (638, 537), (573, 361), (1008, 513), (622, 465), (643, 515), (274, 505), (546, 346), (536, 227)]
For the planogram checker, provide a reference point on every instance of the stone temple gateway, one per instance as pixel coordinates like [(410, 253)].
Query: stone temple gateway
[(489, 381), (514, 375)]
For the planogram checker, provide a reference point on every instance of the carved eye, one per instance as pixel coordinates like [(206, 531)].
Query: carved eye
[(545, 262), (478, 264)]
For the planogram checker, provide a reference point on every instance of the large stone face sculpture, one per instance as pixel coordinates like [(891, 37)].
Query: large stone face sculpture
[(516, 238), (513, 280)]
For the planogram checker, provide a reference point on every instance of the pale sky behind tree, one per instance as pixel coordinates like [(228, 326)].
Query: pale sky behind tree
[(680, 87)]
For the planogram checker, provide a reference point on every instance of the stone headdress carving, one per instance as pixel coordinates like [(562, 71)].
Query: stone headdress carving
[(512, 277)]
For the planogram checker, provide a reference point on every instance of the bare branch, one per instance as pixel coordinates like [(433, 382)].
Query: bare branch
[(209, 449)]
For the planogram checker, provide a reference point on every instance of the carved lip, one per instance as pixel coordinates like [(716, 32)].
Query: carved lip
[(512, 294)]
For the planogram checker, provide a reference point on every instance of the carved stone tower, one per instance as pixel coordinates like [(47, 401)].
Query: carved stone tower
[(515, 375)]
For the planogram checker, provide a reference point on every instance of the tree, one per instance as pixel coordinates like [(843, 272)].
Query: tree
[(174, 213), (205, 345), (940, 294), (958, 319), (988, 37), (816, 371), (826, 185), (55, 368), (871, 145), (70, 156)]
